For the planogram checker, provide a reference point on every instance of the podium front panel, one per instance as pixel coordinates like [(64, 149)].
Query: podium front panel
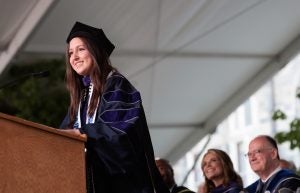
[(34, 159)]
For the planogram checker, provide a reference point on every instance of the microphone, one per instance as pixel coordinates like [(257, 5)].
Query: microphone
[(24, 77), (40, 74)]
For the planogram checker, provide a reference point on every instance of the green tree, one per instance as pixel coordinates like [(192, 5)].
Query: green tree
[(43, 100), (293, 135)]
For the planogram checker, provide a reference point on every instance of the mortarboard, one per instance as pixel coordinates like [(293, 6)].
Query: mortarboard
[(95, 34)]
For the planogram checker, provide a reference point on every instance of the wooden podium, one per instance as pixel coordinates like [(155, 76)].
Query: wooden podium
[(35, 158)]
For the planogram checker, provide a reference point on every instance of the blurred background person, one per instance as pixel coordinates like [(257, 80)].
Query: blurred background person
[(167, 174), (219, 174), (284, 164)]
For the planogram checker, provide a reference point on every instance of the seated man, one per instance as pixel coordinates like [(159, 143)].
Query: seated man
[(167, 174), (265, 162)]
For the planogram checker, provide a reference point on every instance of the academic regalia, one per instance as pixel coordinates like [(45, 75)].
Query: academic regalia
[(181, 189), (120, 157), (233, 187), (282, 181)]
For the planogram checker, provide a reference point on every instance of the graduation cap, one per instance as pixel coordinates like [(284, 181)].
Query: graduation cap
[(92, 33)]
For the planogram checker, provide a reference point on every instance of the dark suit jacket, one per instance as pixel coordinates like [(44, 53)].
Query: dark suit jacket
[(181, 189)]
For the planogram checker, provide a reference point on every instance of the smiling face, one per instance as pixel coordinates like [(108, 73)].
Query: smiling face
[(79, 57), (262, 157), (212, 167)]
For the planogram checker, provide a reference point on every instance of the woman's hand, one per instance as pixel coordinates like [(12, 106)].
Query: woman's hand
[(74, 132)]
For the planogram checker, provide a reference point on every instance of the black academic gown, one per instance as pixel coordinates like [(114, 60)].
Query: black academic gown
[(120, 156), (232, 187), (283, 181), (181, 189)]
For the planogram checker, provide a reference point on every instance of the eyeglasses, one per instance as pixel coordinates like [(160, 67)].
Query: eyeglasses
[(257, 151)]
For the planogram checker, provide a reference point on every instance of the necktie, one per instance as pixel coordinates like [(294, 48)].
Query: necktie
[(260, 188)]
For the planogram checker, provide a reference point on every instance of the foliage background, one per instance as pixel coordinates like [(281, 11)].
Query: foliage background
[(293, 135), (43, 100)]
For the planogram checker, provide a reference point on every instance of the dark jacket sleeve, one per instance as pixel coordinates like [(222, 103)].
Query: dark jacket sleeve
[(289, 184), (112, 146)]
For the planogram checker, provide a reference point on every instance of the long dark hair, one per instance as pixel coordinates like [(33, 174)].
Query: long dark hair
[(229, 173), (101, 67)]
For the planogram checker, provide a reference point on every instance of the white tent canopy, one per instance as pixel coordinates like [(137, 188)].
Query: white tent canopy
[(194, 61)]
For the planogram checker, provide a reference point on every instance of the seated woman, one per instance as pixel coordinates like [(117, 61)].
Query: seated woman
[(219, 173)]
